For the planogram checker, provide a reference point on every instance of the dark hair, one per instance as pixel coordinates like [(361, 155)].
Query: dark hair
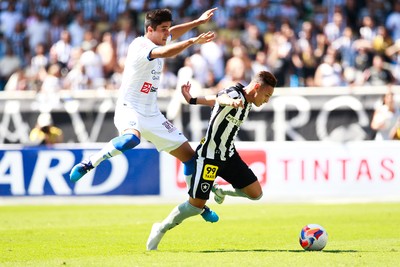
[(156, 17), (265, 78)]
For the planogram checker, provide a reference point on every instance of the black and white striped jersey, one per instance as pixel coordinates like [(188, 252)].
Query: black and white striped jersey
[(223, 126)]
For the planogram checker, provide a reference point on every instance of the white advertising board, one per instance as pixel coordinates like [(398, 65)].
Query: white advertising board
[(310, 171)]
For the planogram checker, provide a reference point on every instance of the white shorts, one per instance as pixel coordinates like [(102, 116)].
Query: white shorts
[(156, 129)]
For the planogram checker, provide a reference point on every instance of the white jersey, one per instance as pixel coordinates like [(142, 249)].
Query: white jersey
[(141, 78)]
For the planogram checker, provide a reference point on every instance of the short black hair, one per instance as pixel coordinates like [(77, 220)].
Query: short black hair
[(265, 78), (156, 17)]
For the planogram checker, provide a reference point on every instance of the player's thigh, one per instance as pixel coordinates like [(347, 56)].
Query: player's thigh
[(184, 152), (203, 178), (162, 133), (126, 118), (237, 173)]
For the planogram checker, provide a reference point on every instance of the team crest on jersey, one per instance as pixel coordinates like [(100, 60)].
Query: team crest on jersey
[(146, 87), (205, 187)]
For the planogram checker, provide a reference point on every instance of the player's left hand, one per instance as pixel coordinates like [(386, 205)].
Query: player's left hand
[(185, 90), (206, 16), (236, 103)]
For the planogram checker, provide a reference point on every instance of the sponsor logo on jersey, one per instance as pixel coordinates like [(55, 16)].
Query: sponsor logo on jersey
[(210, 172), (233, 120), (146, 87), (256, 159), (169, 126)]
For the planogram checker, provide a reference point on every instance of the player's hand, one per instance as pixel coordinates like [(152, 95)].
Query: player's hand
[(236, 103), (206, 16), (204, 38), (185, 89), (225, 100)]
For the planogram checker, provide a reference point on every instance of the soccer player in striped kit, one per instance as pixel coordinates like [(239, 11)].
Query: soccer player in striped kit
[(137, 113), (216, 155)]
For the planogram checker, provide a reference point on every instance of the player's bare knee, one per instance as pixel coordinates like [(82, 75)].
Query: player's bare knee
[(256, 196)]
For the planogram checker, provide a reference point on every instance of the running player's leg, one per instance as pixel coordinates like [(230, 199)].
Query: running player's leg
[(176, 217), (116, 146), (166, 137), (129, 138), (243, 182), (186, 155), (252, 191), (199, 193)]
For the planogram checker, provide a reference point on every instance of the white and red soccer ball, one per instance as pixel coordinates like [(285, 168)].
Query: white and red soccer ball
[(313, 237)]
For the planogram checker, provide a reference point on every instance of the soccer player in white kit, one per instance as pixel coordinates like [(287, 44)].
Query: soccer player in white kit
[(137, 113)]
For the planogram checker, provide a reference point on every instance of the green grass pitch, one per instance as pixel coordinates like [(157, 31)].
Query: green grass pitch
[(254, 234)]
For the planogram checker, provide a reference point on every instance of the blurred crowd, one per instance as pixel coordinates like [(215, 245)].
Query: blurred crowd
[(49, 45)]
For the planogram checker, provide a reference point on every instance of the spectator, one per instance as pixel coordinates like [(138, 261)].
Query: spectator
[(44, 8), (252, 40), (288, 12), (329, 72), (91, 62), (18, 81), (56, 29), (199, 66), (393, 21), (77, 30), (60, 52), (378, 74), (3, 45), (44, 132), (9, 64), (52, 81), (19, 42), (76, 79), (368, 30), (235, 70), (382, 40), (280, 54), (385, 116), (38, 33), (345, 46), (123, 38), (107, 51), (214, 55), (9, 19), (168, 79), (260, 63), (393, 53), (38, 65), (334, 29)]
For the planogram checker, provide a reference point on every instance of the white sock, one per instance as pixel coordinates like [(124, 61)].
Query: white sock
[(105, 153), (178, 214), (228, 190)]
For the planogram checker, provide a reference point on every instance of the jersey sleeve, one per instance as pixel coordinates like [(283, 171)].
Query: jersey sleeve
[(231, 92), (142, 48)]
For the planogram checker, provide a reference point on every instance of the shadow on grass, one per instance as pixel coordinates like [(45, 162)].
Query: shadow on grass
[(275, 250)]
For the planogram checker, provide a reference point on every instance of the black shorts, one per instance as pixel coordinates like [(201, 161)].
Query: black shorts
[(235, 171)]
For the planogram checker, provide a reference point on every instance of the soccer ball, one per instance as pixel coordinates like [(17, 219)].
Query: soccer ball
[(313, 237)]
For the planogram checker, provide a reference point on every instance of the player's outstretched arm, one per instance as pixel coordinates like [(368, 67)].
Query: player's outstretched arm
[(226, 100), (180, 29), (208, 100), (174, 49)]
